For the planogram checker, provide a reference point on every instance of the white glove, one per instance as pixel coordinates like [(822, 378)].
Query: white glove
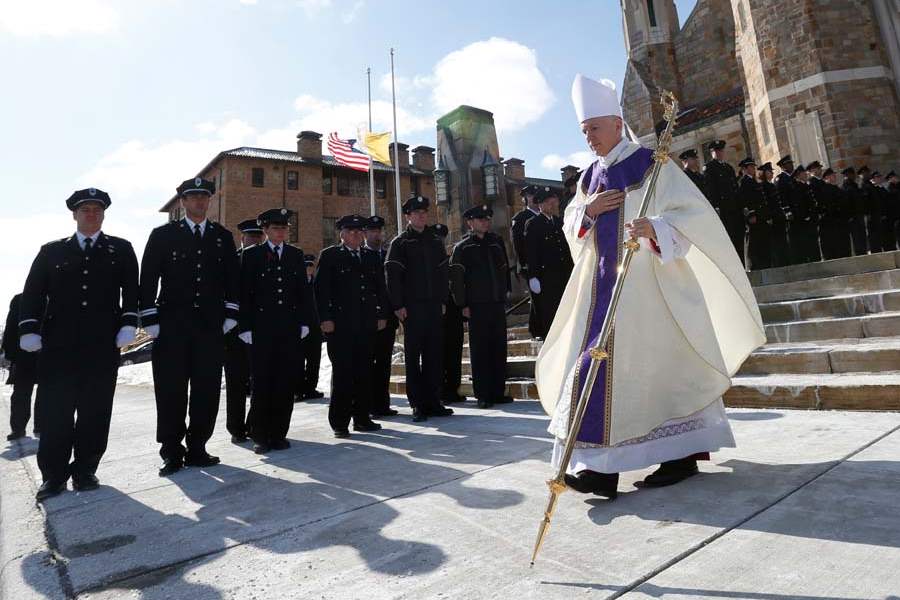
[(30, 342), (152, 331), (125, 336), (534, 285), (246, 337), (228, 325), (304, 331)]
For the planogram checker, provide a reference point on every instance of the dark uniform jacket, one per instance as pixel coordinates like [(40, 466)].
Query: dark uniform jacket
[(351, 292), (803, 204), (874, 200), (855, 198), (775, 206), (393, 321), (832, 204), (275, 294), (784, 183), (698, 178), (204, 279), (479, 270), (750, 196), (73, 298), (547, 249), (517, 233), (721, 187), (416, 268)]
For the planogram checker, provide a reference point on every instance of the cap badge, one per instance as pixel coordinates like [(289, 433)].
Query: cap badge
[(284, 211), (198, 182), (92, 191)]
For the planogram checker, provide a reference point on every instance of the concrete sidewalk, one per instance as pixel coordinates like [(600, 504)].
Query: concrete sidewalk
[(806, 507)]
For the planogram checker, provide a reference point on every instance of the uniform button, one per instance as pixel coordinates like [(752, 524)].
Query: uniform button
[(84, 302), (198, 279), (279, 268), (280, 302), (199, 265), (279, 290), (84, 287), (279, 279), (87, 258), (85, 271), (199, 251), (196, 293)]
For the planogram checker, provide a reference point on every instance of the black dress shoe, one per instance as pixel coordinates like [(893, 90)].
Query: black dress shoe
[(419, 415), (170, 466), (85, 483), (239, 439), (370, 426), (390, 412), (503, 400), (49, 489), (313, 395), (261, 448), (440, 411), (15, 435), (450, 399), (281, 445), (341, 433), (201, 460), (592, 482), (669, 473), (484, 404)]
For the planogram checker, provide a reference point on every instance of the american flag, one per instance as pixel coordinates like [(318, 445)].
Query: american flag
[(345, 154)]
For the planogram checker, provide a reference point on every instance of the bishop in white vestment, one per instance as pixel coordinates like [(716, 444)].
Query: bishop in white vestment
[(686, 320)]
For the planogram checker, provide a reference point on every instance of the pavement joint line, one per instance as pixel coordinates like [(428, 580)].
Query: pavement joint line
[(104, 585), (725, 531)]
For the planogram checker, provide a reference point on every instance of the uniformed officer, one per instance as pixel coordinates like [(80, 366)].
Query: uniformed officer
[(779, 248), (893, 188), (872, 201), (385, 338), (276, 313), (517, 234), (417, 283), (454, 334), (691, 163), (549, 259), (353, 306), (805, 226), (571, 187), (721, 187), (78, 308), (310, 346), (857, 211), (887, 211), (22, 374), (237, 354), (819, 193), (192, 263), (834, 232), (479, 278), (756, 212)]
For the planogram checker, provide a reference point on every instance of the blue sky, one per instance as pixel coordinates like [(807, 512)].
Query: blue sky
[(134, 97)]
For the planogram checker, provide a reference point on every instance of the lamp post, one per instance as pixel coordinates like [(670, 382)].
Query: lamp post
[(442, 182), (491, 171)]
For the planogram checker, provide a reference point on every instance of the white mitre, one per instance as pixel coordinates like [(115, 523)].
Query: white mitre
[(594, 98)]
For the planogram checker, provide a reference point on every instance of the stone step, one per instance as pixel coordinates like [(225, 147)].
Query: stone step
[(857, 283), (867, 263), (849, 391), (851, 305), (514, 348), (885, 324), (512, 333)]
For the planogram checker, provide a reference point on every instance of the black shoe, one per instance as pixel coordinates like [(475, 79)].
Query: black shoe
[(370, 426), (313, 395), (170, 466), (484, 404), (450, 399), (239, 439), (37, 432), (389, 412), (15, 435), (440, 411), (669, 473), (49, 489), (281, 445), (419, 415), (85, 483), (261, 448), (503, 400), (592, 482), (201, 460), (341, 433)]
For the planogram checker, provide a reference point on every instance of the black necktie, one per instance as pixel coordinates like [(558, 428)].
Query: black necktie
[(278, 254), (355, 254), (88, 244), (197, 233)]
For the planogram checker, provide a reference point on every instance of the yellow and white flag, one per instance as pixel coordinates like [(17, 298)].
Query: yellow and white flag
[(376, 145)]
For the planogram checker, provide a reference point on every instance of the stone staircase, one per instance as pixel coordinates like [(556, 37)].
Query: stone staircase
[(833, 332)]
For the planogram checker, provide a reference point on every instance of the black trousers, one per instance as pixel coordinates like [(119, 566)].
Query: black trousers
[(237, 383), (805, 242), (74, 380), (735, 227), (351, 354), (487, 345), (274, 356), (858, 231), (422, 347), (835, 240), (873, 226), (547, 302), (311, 355), (759, 249), (188, 352), (779, 247), (23, 378), (451, 376), (381, 369), (888, 238)]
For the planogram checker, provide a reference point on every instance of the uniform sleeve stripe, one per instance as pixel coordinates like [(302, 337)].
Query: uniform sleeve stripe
[(27, 321), (148, 311), (129, 314), (394, 262), (232, 305)]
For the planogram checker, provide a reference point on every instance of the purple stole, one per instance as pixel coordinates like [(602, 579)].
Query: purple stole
[(624, 175)]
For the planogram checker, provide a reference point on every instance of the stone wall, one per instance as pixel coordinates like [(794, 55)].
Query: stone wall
[(705, 53)]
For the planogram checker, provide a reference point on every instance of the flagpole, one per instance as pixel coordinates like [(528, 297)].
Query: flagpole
[(371, 160), (396, 148)]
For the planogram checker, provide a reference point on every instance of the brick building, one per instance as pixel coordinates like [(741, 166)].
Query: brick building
[(818, 79)]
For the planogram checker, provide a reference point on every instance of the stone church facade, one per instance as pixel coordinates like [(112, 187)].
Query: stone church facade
[(818, 79)]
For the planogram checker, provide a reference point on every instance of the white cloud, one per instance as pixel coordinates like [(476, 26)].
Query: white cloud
[(344, 117), (249, 2), (57, 18), (313, 7), (498, 75), (350, 15), (579, 159)]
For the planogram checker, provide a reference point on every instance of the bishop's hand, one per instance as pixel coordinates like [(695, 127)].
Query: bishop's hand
[(641, 228), (604, 202)]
